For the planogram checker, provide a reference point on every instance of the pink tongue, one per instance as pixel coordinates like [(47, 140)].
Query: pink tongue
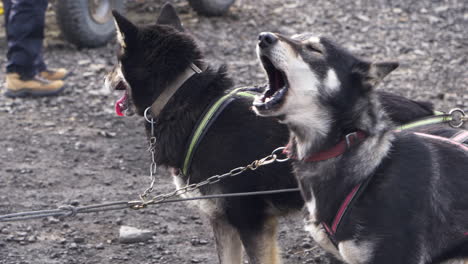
[(120, 105)]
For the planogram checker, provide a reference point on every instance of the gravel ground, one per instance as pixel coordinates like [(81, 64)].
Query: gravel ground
[(73, 149)]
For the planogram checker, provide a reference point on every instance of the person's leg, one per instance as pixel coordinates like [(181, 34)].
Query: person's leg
[(25, 21), (25, 34), (6, 9)]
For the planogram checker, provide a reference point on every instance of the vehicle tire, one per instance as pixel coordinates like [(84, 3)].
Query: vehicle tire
[(211, 7), (87, 23)]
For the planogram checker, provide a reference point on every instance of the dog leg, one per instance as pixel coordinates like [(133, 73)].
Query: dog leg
[(261, 245), (228, 243)]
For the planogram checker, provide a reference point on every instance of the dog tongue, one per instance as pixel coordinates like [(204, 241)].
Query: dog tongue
[(121, 104)]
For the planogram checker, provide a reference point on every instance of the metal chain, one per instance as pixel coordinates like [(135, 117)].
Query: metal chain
[(151, 149), (273, 157)]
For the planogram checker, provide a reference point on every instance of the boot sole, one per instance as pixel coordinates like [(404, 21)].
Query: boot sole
[(61, 79), (32, 93)]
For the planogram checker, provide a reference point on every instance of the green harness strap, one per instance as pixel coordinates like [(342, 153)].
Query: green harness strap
[(207, 120), (438, 117)]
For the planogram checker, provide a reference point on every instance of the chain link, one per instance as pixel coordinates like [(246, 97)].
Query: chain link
[(273, 157), (153, 166)]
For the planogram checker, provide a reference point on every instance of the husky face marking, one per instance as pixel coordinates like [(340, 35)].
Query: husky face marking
[(331, 81), (148, 59), (292, 80), (308, 74)]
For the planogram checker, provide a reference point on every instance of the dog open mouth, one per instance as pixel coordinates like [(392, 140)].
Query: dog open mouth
[(122, 105), (277, 88)]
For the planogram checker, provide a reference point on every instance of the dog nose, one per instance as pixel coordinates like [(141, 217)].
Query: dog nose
[(266, 39)]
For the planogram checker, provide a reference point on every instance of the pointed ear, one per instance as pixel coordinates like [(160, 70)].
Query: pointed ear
[(373, 73), (168, 16), (379, 70), (126, 31)]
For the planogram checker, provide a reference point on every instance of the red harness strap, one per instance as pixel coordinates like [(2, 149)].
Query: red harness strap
[(343, 208), (335, 151)]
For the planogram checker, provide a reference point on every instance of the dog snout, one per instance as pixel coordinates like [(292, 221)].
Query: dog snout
[(266, 39)]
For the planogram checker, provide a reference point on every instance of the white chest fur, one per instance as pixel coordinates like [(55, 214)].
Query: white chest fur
[(207, 206), (350, 251)]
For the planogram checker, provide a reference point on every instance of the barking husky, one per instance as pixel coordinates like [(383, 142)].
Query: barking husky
[(373, 195), (153, 61)]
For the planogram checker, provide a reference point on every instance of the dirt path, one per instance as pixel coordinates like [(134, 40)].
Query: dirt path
[(73, 149)]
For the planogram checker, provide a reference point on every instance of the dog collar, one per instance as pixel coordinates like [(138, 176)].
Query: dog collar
[(335, 151), (159, 104)]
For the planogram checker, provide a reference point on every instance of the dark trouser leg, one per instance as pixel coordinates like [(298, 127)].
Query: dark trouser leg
[(25, 33)]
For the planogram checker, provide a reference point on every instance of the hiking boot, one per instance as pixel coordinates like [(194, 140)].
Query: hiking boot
[(37, 86), (54, 74)]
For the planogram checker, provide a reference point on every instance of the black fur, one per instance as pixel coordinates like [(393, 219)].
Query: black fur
[(154, 56)]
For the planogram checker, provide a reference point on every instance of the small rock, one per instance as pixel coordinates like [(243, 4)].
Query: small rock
[(53, 220), (49, 124), (441, 9), (84, 62), (79, 240), (100, 246), (195, 241), (88, 74), (73, 246), (79, 145), (118, 221), (363, 18), (128, 234), (306, 245), (97, 67), (107, 134), (21, 234)]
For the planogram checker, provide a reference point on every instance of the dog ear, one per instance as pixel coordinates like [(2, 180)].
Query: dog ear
[(168, 16), (126, 31), (373, 73), (379, 70)]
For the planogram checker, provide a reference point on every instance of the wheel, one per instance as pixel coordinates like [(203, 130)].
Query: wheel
[(211, 7), (87, 23)]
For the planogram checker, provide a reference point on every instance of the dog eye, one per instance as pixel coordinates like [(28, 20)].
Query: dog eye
[(313, 48)]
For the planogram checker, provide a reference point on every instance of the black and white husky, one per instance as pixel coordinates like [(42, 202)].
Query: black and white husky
[(153, 60), (373, 195)]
